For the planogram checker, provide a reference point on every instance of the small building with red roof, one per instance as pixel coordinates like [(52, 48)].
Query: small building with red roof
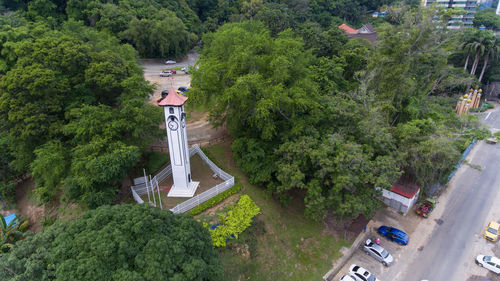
[(402, 195), (365, 32), (348, 29)]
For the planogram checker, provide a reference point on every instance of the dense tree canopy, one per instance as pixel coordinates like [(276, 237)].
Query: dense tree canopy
[(74, 111), (272, 104), (309, 109), (166, 28), (123, 242), (488, 18), (333, 117)]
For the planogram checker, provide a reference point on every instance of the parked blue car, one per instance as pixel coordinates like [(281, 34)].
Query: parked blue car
[(394, 234)]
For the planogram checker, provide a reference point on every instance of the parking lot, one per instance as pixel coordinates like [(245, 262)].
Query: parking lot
[(444, 246), (387, 217)]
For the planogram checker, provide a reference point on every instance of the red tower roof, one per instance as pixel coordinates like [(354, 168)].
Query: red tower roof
[(348, 29), (173, 99)]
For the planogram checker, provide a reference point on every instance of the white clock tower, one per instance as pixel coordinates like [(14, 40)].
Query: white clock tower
[(175, 119)]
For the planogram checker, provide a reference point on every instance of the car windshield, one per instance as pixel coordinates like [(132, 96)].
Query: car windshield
[(492, 230), (385, 254), (486, 258)]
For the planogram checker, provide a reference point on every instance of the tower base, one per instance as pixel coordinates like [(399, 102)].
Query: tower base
[(182, 191)]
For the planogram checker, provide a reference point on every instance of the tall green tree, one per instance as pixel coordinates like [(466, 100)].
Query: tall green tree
[(293, 127), (123, 242), (488, 18), (156, 28), (468, 37), (75, 111), (163, 36), (492, 51), (410, 63)]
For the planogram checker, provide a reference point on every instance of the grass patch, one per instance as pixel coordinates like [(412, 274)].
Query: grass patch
[(281, 244)]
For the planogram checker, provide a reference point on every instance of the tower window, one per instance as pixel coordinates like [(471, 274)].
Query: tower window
[(171, 110)]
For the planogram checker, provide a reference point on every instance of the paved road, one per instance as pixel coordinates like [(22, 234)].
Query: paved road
[(492, 119), (154, 66), (456, 238)]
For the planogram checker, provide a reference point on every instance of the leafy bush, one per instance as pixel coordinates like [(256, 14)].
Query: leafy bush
[(497, 135), (462, 143), (11, 233), (7, 191), (48, 221), (154, 161), (235, 222), (215, 200)]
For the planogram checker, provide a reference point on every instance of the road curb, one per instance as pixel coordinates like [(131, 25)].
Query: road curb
[(355, 245)]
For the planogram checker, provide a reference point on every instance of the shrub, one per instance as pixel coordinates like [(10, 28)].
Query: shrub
[(497, 135), (48, 221), (235, 222), (215, 200), (7, 191)]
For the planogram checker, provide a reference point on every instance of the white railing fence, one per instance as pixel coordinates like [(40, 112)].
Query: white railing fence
[(137, 198), (202, 197), (191, 203)]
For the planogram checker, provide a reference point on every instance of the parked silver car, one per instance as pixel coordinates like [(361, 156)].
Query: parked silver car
[(165, 73), (378, 253)]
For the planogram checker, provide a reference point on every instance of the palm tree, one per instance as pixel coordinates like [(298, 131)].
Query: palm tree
[(469, 36), (467, 48), (493, 49), (486, 38)]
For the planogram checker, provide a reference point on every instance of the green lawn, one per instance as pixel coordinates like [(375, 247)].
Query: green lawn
[(281, 244)]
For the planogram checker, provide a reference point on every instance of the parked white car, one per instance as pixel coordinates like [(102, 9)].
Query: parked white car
[(489, 262), (170, 62), (347, 278), (361, 274)]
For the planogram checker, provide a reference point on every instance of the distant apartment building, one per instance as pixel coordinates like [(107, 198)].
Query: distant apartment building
[(466, 19), (498, 8)]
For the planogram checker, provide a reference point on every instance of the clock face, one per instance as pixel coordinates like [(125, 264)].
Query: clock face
[(172, 125)]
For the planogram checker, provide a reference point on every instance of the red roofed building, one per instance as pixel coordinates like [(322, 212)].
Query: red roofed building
[(403, 194), (348, 29), (365, 32)]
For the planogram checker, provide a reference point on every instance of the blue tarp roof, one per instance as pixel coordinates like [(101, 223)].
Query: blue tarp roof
[(10, 218)]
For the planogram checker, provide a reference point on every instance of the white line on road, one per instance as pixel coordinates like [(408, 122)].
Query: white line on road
[(487, 116)]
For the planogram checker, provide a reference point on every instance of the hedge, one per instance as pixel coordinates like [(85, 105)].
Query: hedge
[(216, 199), (235, 222)]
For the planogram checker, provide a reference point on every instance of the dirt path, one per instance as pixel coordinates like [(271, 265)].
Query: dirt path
[(28, 209)]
